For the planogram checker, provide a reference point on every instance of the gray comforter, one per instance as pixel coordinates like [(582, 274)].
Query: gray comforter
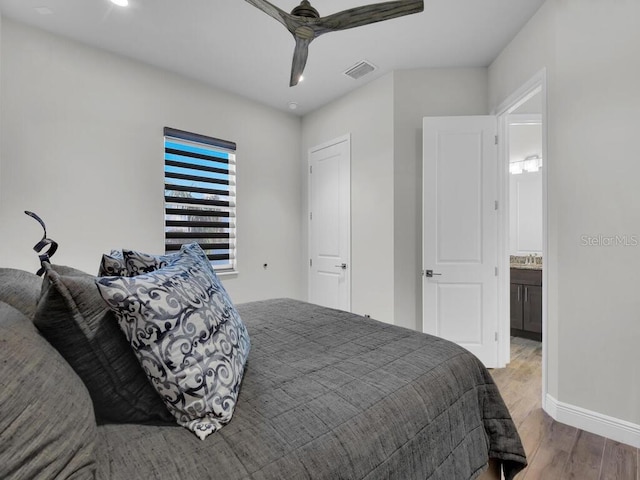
[(332, 395)]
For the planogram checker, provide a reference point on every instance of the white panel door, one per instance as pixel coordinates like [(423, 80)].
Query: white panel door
[(330, 224), (460, 234)]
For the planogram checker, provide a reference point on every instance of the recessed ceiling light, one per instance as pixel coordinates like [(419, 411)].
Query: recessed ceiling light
[(43, 10), (121, 3), (293, 105)]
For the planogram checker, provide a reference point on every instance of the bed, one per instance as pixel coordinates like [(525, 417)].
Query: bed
[(332, 395), (326, 394)]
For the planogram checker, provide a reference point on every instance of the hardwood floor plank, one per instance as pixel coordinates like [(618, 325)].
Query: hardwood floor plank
[(533, 430), (551, 457), (528, 398), (546, 465), (521, 392), (585, 459), (620, 462)]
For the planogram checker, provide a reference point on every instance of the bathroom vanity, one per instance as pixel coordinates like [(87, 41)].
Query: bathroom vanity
[(526, 299)]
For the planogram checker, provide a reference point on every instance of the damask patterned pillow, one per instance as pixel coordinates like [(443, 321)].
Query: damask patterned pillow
[(187, 336), (137, 263), (112, 264)]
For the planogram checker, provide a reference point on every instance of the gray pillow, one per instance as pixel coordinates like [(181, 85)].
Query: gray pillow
[(187, 335), (47, 424), (20, 289), (72, 316)]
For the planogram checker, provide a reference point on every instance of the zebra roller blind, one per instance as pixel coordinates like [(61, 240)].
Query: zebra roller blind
[(200, 195)]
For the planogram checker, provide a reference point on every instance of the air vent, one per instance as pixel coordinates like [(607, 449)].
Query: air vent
[(360, 69)]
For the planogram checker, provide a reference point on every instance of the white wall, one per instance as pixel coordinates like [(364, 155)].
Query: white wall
[(525, 213), (591, 51), (419, 93), (82, 146), (367, 114)]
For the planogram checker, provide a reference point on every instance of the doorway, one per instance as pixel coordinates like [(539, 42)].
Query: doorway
[(523, 221)]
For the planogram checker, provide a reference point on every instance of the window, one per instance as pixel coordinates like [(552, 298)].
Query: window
[(199, 195)]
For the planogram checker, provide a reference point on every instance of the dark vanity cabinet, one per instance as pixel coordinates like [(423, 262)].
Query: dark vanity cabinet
[(526, 303)]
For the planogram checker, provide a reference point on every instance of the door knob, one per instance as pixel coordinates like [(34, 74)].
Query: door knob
[(430, 273), (343, 266)]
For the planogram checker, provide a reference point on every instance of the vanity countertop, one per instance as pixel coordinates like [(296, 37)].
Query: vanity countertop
[(526, 262)]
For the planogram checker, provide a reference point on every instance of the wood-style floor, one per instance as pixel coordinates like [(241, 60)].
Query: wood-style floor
[(556, 451)]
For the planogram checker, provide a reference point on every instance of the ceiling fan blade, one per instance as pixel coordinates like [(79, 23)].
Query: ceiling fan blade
[(300, 55), (358, 16), (271, 10)]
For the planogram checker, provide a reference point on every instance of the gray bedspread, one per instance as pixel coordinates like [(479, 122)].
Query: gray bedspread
[(332, 395)]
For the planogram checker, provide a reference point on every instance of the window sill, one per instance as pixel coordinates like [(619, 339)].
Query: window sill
[(226, 273)]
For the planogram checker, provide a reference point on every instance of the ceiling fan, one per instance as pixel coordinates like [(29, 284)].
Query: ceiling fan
[(305, 23)]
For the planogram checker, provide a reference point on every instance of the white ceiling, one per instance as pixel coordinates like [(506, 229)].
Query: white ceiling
[(234, 46)]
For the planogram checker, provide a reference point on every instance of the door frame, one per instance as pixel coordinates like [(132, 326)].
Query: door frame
[(346, 137), (535, 85)]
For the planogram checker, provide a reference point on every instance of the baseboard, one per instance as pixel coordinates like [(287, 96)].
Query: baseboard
[(593, 422)]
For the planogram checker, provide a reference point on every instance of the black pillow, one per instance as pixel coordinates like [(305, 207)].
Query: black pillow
[(72, 316)]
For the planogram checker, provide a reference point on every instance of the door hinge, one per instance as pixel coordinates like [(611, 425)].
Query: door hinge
[(311, 262), (495, 271), (495, 205), (495, 139), (310, 169), (496, 336), (310, 215)]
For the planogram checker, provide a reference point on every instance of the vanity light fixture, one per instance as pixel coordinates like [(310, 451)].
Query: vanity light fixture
[(120, 3), (515, 168), (531, 163)]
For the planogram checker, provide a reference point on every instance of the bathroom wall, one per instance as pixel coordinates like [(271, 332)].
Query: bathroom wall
[(525, 188)]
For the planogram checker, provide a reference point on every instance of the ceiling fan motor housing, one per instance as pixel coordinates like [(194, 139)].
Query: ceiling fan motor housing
[(305, 10)]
